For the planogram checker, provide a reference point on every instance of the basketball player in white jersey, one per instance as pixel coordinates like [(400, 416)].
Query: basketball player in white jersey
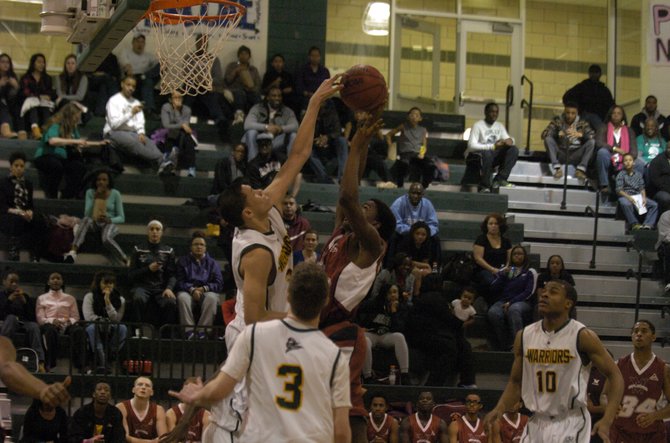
[(552, 360), (298, 379)]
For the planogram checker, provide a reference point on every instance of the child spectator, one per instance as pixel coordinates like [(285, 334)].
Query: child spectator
[(177, 135), (44, 423), (57, 314), (384, 320), (411, 148), (17, 312), (38, 95), (9, 90), (633, 197), (103, 210), (71, 84), (463, 309), (105, 306)]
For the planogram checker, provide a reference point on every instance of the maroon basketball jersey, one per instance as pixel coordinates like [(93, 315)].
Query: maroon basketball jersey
[(382, 431), (194, 432), (469, 433), (510, 431), (643, 387), (145, 429), (430, 433)]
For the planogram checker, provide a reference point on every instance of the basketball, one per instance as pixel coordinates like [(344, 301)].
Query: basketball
[(364, 88)]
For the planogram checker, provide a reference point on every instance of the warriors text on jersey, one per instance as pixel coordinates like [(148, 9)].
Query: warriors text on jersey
[(296, 377), (554, 375)]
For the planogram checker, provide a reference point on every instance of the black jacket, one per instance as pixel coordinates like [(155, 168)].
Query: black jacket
[(659, 175), (82, 425)]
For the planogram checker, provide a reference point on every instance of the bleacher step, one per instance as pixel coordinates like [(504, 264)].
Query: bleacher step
[(566, 227), (596, 289), (549, 199), (578, 257)]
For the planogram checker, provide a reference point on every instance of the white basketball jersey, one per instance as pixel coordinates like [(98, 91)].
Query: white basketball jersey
[(554, 376), (278, 242), (295, 376)]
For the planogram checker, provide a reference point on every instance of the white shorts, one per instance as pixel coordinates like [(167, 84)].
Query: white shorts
[(571, 427)]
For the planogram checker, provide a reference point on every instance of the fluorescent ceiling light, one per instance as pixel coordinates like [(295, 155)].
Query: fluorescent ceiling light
[(376, 18)]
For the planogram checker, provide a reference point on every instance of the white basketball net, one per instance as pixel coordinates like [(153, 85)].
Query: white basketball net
[(183, 67)]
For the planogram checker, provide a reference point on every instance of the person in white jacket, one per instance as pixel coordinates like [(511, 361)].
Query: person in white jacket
[(490, 141)]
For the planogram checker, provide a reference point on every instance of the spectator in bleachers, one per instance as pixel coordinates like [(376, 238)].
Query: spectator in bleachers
[(153, 275), (37, 94), (310, 76), (555, 270), (411, 148), (103, 83), (230, 168), (377, 151), (59, 156), (218, 108), (177, 136), (424, 426), (633, 197), (17, 221), (9, 91), (98, 420), (462, 306), (470, 427), (411, 208), (426, 255), (384, 319), (270, 116), (103, 211), (143, 66), (569, 135), (613, 140), (401, 273), (244, 81), (328, 142), (17, 312), (277, 76), (105, 306), (592, 96), (199, 282), (44, 423), (382, 427), (262, 169), (71, 85), (57, 314), (124, 127), (659, 179), (512, 292), (152, 425), (650, 111), (433, 329), (308, 253), (296, 224), (490, 141), (650, 143), (198, 423), (491, 252)]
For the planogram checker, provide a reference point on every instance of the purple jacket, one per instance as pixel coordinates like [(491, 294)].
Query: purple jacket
[(519, 288), (206, 273)]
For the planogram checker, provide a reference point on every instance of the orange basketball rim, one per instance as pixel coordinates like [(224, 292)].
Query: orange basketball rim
[(156, 12)]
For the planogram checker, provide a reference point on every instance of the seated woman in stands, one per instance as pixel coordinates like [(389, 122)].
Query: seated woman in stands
[(176, 135), (308, 253), (384, 319), (491, 252), (57, 314), (104, 306), (9, 91), (58, 155), (401, 273), (38, 95), (71, 85), (426, 255), (513, 289), (103, 211)]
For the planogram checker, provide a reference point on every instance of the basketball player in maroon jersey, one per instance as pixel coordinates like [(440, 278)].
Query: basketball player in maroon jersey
[(423, 426), (143, 419), (198, 423), (382, 428), (646, 379), (352, 257), (510, 426), (469, 428)]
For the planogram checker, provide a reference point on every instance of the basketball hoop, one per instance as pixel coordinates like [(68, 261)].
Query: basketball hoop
[(187, 35)]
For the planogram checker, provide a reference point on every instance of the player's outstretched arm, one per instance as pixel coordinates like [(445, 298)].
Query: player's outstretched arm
[(494, 433), (395, 428), (647, 419), (204, 396), (302, 147), (512, 393), (341, 425), (453, 432), (590, 344)]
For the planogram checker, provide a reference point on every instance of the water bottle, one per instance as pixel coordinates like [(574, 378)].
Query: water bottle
[(435, 269), (393, 375), (512, 270)]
